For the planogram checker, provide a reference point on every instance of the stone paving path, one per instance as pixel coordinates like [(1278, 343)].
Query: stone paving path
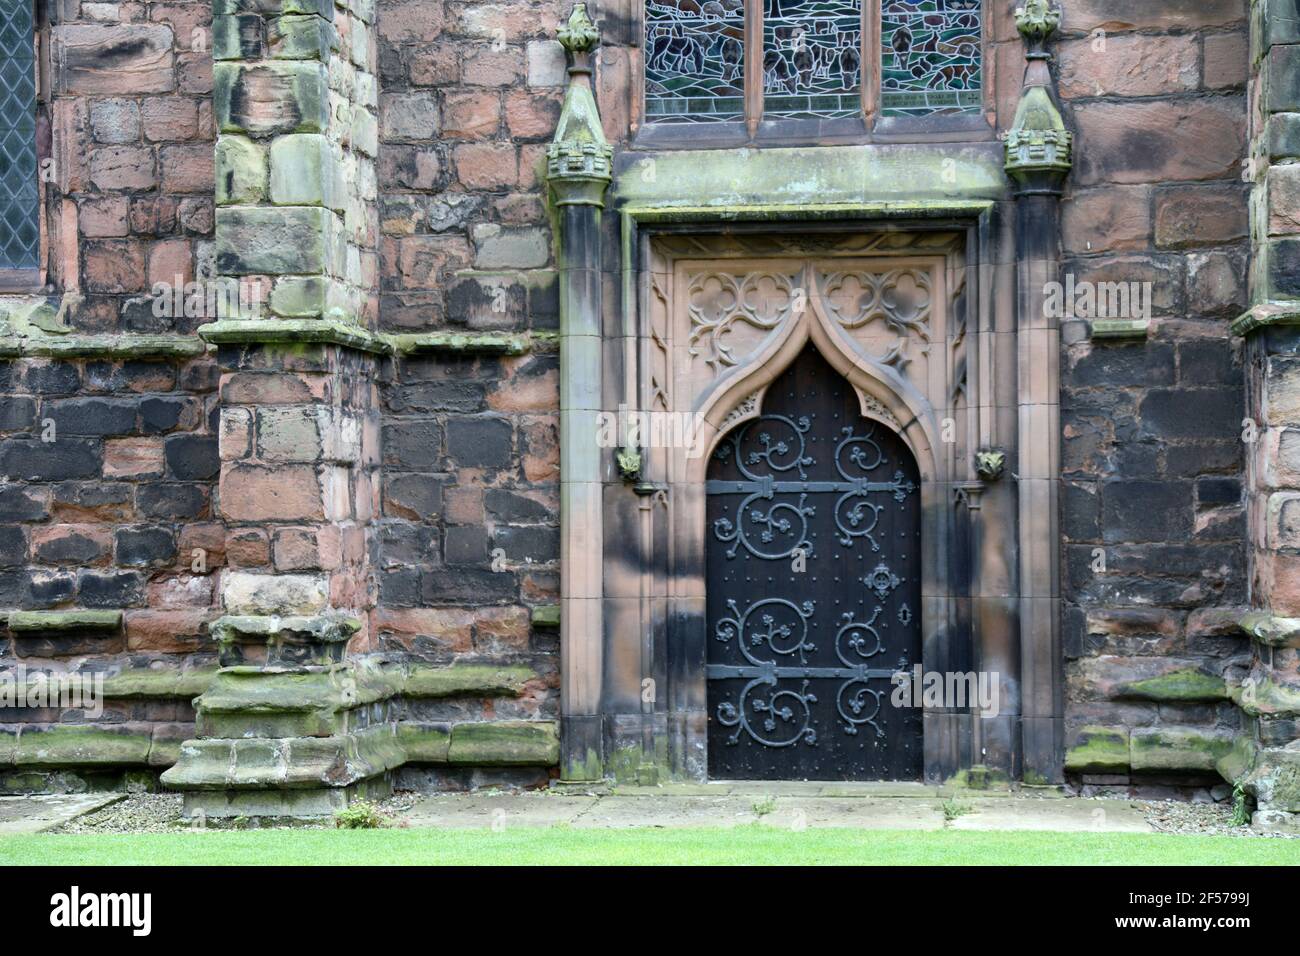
[(890, 806), (37, 813), (861, 806)]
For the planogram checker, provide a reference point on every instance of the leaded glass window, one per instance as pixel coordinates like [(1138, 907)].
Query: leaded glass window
[(777, 60), (695, 60), (930, 56), (20, 235), (812, 58)]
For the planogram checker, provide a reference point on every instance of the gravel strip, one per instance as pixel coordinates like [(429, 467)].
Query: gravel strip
[(1175, 816), (161, 813)]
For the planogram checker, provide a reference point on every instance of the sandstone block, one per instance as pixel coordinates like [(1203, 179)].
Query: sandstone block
[(257, 493), (104, 59), (253, 241), (277, 594), (305, 172), (282, 97)]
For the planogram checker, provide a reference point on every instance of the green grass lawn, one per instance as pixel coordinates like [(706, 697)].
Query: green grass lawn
[(744, 845)]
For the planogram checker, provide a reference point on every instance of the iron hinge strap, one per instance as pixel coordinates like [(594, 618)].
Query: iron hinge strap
[(730, 671), (767, 487)]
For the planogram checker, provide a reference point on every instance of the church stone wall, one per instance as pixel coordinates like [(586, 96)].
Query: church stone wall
[(1153, 510)]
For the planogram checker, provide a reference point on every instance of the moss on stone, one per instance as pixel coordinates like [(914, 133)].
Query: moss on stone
[(1099, 750), (505, 743), (1274, 780), (83, 745), (546, 615), (487, 343), (1177, 748), (256, 691), (467, 680), (44, 622), (1267, 697), (1186, 685), (811, 178), (979, 777), (425, 743), (1237, 760), (1271, 630), (327, 331), (158, 682)]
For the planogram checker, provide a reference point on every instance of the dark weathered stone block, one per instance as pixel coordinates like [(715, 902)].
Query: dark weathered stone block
[(418, 497), (413, 445), (50, 461), (467, 586), (92, 416), (110, 588), (144, 547), (536, 544), (480, 442), (16, 413), (192, 457), (1146, 510), (466, 545), (1191, 413)]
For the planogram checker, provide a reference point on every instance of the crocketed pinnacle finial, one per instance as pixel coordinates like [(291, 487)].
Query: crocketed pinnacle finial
[(1037, 20), (1039, 146), (579, 35), (579, 161)]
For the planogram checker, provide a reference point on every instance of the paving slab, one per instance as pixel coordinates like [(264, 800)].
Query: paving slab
[(857, 813), (675, 812), (1061, 816), (497, 810), (791, 807), (37, 813)]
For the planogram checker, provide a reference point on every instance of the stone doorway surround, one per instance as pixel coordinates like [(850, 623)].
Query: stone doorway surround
[(977, 403), (927, 368)]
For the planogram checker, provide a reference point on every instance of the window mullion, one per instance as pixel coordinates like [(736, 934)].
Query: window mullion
[(869, 78), (753, 65)]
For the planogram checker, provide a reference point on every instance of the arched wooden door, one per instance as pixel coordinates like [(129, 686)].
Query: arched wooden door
[(814, 589)]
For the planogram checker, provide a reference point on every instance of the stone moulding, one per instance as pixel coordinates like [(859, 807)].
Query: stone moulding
[(511, 743), (325, 332), (546, 615), (466, 678), (1119, 328), (1271, 631), (101, 346), (1264, 314), (33, 326), (44, 622), (484, 343)]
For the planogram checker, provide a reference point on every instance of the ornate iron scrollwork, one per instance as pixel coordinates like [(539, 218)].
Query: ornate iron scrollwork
[(800, 645), (856, 516), (881, 580), (856, 642)]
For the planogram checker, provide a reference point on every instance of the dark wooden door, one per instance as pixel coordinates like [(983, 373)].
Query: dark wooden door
[(814, 589)]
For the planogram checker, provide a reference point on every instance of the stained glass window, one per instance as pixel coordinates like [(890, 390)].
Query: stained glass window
[(19, 200), (812, 58), (808, 59), (930, 56), (695, 60)]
